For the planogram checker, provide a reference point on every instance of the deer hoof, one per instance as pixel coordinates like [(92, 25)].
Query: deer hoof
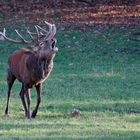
[(33, 114), (28, 115), (5, 116)]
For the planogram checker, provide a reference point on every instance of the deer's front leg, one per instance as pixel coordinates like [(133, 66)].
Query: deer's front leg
[(39, 90), (22, 96), (28, 103)]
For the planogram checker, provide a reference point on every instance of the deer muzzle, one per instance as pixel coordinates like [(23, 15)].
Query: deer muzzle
[(55, 50)]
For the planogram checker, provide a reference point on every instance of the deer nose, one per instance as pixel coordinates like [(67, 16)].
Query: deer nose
[(55, 50)]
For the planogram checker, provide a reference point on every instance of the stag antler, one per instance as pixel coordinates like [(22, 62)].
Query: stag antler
[(40, 33), (53, 31), (3, 37)]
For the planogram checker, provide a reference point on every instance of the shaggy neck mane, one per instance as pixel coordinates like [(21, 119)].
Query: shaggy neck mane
[(39, 67)]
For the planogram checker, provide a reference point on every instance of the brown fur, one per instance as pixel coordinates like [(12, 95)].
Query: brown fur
[(28, 67), (31, 68)]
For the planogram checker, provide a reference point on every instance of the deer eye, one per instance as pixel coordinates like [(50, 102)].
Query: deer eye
[(41, 44)]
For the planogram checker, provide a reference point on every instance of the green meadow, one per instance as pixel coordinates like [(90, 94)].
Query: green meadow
[(96, 72)]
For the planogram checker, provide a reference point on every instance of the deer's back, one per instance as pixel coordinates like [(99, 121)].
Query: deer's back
[(17, 63)]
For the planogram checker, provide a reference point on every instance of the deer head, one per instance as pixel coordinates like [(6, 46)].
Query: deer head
[(43, 41)]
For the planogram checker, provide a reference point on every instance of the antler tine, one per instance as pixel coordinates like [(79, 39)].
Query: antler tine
[(50, 26), (37, 33), (41, 32), (41, 29), (2, 34), (54, 30), (21, 37), (3, 37), (50, 30), (4, 30), (30, 34), (52, 33)]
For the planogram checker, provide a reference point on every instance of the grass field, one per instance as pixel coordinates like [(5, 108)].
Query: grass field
[(95, 72)]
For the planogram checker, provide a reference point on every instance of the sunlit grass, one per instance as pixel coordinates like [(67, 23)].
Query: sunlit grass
[(89, 125)]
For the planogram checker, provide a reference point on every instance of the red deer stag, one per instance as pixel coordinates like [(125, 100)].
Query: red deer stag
[(31, 67)]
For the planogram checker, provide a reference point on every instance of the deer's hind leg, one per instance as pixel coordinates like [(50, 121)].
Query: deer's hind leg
[(10, 80), (28, 99)]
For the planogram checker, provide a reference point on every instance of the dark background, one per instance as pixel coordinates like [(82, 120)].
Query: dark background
[(71, 12)]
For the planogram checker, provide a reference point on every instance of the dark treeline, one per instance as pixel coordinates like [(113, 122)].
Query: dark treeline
[(62, 10)]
